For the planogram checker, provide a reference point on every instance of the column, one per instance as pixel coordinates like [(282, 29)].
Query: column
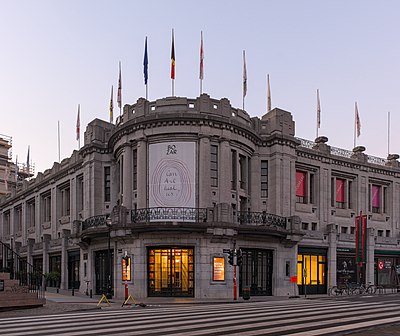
[(332, 258), (369, 266), (64, 260)]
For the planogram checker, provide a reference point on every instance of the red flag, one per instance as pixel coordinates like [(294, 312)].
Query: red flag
[(173, 57), (78, 123), (358, 123), (201, 58), (119, 97)]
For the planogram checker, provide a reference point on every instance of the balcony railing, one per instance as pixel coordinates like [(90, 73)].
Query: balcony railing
[(169, 214), (99, 220), (261, 218)]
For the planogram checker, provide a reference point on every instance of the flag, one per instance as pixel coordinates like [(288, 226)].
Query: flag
[(201, 76), (173, 57), (27, 161), (145, 63), (244, 75), (318, 111), (268, 96), (111, 106), (119, 97), (78, 124), (358, 123)]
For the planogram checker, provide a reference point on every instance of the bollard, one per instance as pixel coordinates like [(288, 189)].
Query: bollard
[(91, 293), (58, 290), (73, 291)]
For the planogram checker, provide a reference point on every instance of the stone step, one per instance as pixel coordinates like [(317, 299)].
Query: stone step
[(19, 300), (4, 276)]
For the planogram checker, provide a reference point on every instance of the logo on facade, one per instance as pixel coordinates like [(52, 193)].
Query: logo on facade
[(171, 149)]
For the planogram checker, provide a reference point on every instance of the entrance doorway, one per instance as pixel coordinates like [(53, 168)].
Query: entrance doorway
[(102, 268), (311, 271), (256, 271), (73, 270), (171, 272)]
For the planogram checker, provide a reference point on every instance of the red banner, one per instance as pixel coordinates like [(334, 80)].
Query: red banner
[(361, 238), (376, 196), (300, 183), (340, 190)]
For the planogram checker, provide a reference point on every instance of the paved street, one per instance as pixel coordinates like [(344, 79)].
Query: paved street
[(293, 317)]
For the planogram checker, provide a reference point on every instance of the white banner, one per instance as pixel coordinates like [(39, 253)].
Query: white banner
[(172, 174)]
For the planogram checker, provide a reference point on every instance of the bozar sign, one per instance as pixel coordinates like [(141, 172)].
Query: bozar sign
[(172, 173)]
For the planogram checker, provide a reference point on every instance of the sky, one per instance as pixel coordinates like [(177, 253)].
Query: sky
[(57, 54)]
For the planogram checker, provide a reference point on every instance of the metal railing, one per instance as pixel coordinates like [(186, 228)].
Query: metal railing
[(261, 218), (167, 214), (99, 220), (31, 280)]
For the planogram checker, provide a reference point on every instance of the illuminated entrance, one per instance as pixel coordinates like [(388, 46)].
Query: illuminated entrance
[(171, 272), (311, 271)]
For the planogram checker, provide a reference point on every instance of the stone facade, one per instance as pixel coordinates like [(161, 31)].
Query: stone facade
[(177, 180)]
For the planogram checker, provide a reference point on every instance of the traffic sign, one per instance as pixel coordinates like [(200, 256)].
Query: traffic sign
[(381, 265)]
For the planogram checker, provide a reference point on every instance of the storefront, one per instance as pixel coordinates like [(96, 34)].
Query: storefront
[(387, 268), (346, 266), (311, 270), (170, 271)]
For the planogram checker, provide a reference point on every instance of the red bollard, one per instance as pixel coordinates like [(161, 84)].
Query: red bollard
[(126, 291)]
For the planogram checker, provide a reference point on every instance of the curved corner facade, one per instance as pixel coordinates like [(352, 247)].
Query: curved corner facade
[(154, 201)]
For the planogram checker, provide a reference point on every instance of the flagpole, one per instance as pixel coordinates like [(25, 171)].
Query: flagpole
[(78, 127), (244, 77), (59, 159), (201, 63), (355, 126), (388, 133), (318, 112), (268, 95)]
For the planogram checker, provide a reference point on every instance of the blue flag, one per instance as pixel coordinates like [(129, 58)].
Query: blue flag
[(145, 63)]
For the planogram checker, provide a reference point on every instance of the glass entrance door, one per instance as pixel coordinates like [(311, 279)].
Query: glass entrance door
[(102, 270), (171, 272), (311, 273)]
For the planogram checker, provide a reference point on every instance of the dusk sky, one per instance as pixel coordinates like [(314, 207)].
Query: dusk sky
[(57, 54)]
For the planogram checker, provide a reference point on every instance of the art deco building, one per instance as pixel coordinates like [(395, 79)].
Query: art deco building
[(154, 200)]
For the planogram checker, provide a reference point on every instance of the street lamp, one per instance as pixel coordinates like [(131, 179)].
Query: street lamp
[(108, 223)]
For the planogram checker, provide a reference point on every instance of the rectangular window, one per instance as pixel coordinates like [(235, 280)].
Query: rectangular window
[(64, 201), (31, 214), (79, 193), (107, 184), (340, 200), (18, 219), (214, 166), (234, 169), (242, 171), (46, 207), (218, 269), (134, 166), (264, 178), (6, 226), (376, 198), (343, 229), (301, 187)]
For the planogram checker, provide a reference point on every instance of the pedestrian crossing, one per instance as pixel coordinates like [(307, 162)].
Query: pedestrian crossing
[(292, 317)]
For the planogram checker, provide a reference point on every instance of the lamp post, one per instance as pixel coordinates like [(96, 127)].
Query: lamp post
[(108, 223)]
